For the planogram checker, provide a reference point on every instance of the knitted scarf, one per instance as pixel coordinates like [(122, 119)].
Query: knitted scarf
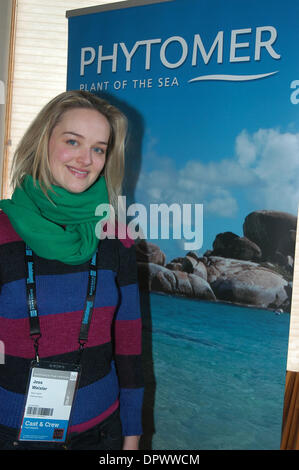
[(65, 230)]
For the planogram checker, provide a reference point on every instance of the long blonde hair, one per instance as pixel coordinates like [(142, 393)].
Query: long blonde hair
[(31, 156)]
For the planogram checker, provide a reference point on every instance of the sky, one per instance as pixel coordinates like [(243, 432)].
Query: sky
[(231, 145)]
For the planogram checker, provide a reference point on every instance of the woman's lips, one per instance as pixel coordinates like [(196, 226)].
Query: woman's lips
[(78, 173)]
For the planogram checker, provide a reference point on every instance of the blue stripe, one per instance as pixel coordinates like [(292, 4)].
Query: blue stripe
[(56, 294), (131, 411), (13, 300), (130, 303), (11, 408), (96, 398)]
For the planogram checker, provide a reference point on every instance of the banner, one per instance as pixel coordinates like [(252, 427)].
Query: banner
[(211, 90)]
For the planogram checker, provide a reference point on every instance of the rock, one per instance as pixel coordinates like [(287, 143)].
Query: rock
[(219, 266), (174, 266), (201, 288), (183, 264), (208, 253), (193, 254), (230, 245), (247, 283), (274, 232), (183, 285), (189, 264), (147, 252), (231, 271), (158, 278), (164, 281), (199, 269)]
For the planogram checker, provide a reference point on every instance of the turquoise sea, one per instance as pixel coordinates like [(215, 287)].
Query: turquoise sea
[(214, 374)]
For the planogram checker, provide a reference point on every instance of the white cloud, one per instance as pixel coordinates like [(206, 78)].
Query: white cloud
[(265, 166), (245, 150), (276, 168)]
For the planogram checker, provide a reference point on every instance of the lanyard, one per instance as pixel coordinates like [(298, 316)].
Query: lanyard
[(35, 332)]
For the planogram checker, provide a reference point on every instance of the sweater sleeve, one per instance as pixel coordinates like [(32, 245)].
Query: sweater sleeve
[(128, 333)]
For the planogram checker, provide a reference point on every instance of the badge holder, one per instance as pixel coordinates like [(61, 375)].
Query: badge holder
[(50, 395), (52, 386)]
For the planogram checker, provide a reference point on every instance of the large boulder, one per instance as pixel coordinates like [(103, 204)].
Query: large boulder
[(230, 245), (248, 283), (158, 278), (181, 264), (190, 263), (274, 232)]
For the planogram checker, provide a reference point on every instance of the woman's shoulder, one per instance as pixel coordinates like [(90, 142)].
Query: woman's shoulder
[(7, 232)]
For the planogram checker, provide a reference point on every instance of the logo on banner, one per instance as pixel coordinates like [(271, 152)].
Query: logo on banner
[(295, 94), (122, 58)]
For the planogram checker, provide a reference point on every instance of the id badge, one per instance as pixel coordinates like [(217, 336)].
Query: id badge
[(50, 395)]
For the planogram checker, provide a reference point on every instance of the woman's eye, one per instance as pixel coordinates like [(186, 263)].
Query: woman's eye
[(71, 142), (98, 150)]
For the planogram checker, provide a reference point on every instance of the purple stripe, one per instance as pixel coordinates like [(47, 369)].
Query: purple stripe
[(7, 232), (94, 421), (128, 337), (59, 333)]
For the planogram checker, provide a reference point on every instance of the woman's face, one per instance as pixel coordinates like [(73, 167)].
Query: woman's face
[(77, 149)]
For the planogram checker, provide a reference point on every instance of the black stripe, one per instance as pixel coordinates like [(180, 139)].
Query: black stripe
[(95, 365), (12, 266), (129, 370), (127, 273), (8, 433)]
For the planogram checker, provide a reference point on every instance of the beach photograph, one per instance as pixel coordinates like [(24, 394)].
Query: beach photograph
[(211, 92)]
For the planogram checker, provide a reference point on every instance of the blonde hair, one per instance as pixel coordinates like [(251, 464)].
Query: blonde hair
[(31, 156)]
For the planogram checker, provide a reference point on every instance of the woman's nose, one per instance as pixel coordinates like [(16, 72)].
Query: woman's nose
[(84, 156)]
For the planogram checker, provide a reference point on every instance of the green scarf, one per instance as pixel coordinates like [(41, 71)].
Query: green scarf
[(65, 230)]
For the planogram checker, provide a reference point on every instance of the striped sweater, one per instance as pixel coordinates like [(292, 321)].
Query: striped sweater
[(111, 362)]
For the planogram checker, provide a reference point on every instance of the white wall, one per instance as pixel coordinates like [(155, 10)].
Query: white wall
[(5, 16)]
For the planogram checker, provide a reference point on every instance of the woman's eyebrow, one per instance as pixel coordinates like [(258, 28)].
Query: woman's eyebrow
[(82, 137), (73, 133)]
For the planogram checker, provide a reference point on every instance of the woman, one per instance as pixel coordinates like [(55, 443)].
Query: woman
[(57, 279)]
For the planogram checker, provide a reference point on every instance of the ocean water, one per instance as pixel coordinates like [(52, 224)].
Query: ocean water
[(214, 373)]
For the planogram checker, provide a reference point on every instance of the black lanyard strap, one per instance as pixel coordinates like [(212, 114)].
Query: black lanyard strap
[(31, 294), (89, 302), (34, 325)]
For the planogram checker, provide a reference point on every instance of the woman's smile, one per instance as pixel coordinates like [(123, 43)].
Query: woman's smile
[(77, 173)]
